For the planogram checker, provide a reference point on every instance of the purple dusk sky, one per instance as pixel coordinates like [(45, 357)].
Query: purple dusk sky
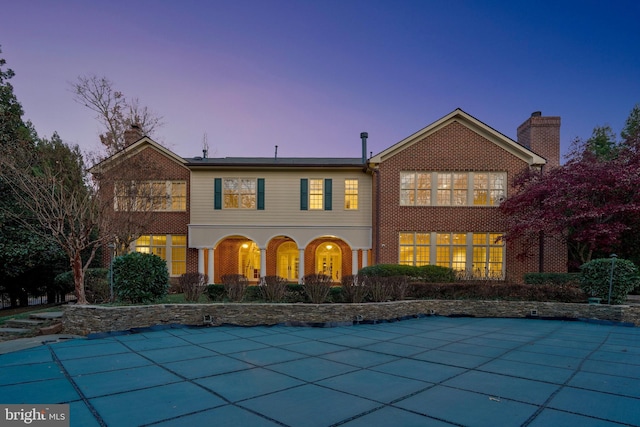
[(309, 76)]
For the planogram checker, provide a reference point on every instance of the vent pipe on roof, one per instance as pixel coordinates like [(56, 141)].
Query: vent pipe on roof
[(364, 136), (276, 155)]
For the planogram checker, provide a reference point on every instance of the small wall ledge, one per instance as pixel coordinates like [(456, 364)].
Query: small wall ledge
[(88, 319)]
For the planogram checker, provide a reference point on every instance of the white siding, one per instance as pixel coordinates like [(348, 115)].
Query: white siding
[(282, 200)]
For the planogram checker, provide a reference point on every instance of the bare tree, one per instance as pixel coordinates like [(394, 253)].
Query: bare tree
[(128, 196), (113, 110)]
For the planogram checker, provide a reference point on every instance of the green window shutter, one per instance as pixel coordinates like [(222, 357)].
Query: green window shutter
[(327, 194), (304, 194), (217, 196), (260, 194)]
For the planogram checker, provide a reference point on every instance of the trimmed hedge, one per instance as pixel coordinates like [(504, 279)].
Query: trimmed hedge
[(497, 291), (552, 278), (426, 273)]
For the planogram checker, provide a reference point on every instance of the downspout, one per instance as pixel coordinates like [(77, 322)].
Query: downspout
[(376, 173), (541, 241)]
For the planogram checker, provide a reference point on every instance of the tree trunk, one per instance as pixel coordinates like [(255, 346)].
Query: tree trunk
[(78, 278)]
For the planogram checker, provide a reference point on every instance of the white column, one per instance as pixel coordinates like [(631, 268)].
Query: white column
[(201, 260), (365, 258), (210, 265), (263, 262), (354, 261), (300, 264)]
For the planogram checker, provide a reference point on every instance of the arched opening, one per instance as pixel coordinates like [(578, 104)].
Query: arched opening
[(329, 260), (288, 261)]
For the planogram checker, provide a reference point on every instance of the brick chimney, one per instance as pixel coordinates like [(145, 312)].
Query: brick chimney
[(542, 136), (132, 134)]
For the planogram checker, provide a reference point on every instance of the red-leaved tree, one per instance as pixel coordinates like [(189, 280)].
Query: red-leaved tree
[(592, 202)]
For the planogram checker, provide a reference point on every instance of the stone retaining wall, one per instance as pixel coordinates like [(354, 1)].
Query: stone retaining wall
[(86, 319)]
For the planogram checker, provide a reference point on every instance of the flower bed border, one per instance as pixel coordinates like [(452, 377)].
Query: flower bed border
[(88, 319)]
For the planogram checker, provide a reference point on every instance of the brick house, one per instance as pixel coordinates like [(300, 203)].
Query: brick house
[(432, 198), (437, 192)]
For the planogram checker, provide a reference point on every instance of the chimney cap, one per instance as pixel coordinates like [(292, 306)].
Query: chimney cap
[(536, 114), (364, 135)]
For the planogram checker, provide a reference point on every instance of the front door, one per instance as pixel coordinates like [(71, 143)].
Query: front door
[(288, 261)]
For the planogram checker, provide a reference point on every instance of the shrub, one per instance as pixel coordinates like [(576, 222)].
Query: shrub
[(96, 284), (317, 287), (552, 278), (140, 278), (192, 285), (380, 289), (355, 289), (496, 291), (388, 270), (235, 285), (273, 288), (295, 293), (426, 273), (436, 274), (215, 292), (399, 285), (596, 276)]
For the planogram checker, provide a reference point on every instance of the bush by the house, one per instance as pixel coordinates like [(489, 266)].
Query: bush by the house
[(273, 288), (192, 285), (595, 279), (235, 286), (436, 274), (380, 289), (140, 278), (496, 290), (425, 273), (355, 289), (389, 270), (215, 292), (552, 279), (317, 287), (96, 284)]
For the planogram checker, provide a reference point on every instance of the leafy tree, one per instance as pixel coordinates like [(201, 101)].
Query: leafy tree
[(631, 131), (114, 111), (26, 261)]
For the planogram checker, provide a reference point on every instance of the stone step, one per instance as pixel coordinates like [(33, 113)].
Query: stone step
[(13, 331), (47, 315), (23, 323)]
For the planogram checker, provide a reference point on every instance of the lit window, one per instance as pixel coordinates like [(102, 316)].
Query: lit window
[(178, 255), (316, 198), (451, 250), (415, 189), (351, 194), (239, 193), (414, 248), (488, 188), (150, 196), (171, 248), (452, 188), (488, 255)]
